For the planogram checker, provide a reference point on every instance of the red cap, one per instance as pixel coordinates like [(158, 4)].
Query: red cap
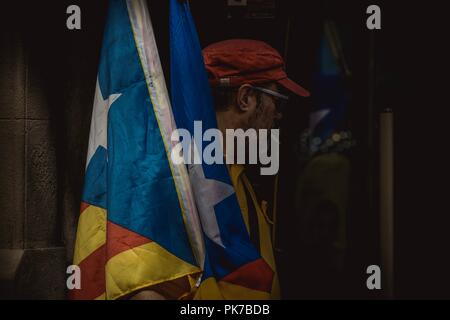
[(234, 62)]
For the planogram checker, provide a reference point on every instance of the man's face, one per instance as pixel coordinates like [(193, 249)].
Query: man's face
[(262, 113)]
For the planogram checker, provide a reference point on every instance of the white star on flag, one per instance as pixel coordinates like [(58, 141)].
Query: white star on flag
[(208, 193), (99, 123)]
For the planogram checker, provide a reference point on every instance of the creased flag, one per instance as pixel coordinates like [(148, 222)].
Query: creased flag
[(138, 224), (233, 267)]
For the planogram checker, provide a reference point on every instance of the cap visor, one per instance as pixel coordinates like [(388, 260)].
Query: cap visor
[(294, 87)]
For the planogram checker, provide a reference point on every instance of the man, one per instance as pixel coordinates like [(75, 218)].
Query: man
[(245, 77)]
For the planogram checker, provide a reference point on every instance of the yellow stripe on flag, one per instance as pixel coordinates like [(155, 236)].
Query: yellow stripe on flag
[(210, 289), (101, 297), (141, 267), (91, 233)]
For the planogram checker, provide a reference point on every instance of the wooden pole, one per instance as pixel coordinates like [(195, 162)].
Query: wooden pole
[(387, 201)]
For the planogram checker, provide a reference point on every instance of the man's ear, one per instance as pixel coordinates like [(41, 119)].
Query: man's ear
[(245, 98)]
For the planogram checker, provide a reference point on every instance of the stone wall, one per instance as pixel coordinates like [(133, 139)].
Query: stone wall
[(47, 81)]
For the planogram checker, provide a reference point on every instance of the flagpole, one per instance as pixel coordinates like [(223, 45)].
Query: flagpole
[(387, 201)]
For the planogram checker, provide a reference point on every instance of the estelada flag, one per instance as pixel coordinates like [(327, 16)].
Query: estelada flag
[(233, 268), (138, 224)]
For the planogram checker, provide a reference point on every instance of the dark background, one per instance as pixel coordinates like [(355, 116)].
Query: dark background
[(47, 83)]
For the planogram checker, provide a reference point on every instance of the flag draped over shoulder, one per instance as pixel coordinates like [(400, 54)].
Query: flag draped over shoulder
[(138, 224), (233, 268)]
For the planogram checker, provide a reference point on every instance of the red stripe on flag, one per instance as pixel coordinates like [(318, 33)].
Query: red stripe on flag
[(120, 239), (92, 276), (257, 275), (83, 206)]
